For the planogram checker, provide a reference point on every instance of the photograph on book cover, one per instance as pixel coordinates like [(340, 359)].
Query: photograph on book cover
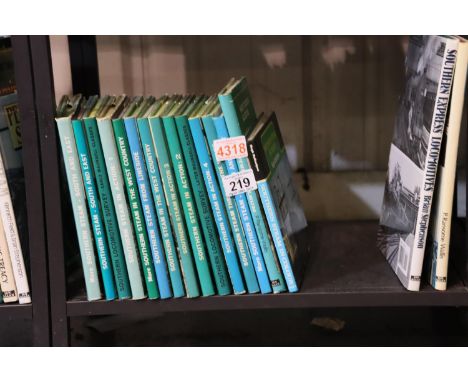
[(414, 118), (402, 192), (400, 209)]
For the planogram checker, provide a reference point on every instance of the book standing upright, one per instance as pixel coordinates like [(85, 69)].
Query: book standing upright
[(414, 155), (440, 226)]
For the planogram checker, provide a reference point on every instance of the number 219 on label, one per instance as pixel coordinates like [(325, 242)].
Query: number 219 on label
[(230, 148), (239, 182)]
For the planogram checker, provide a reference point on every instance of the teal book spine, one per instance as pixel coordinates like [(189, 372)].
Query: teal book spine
[(189, 207), (80, 212), (247, 209), (147, 204), (217, 206), (272, 218), (117, 186), (108, 210), (161, 207), (175, 209), (232, 213), (94, 210), (139, 226), (215, 253)]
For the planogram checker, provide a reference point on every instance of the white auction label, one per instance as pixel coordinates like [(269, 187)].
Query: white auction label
[(240, 182), (230, 148)]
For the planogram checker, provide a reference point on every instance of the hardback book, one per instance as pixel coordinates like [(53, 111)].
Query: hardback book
[(240, 117), (160, 201), (186, 196), (278, 194), (126, 162), (171, 194), (414, 155), (439, 234), (13, 194), (7, 281), (66, 109), (232, 212), (207, 221), (249, 209), (112, 164), (214, 195), (10, 145), (94, 207), (146, 198), (105, 198)]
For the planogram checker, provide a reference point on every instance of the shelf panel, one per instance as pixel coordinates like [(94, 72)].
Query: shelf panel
[(345, 269), (15, 311)]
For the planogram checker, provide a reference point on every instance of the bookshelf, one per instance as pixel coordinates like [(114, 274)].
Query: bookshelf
[(345, 268)]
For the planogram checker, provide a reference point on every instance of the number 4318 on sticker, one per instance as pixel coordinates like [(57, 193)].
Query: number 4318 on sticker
[(230, 148), (240, 182)]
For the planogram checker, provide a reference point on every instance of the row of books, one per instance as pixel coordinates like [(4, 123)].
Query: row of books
[(180, 195), (13, 228), (422, 163)]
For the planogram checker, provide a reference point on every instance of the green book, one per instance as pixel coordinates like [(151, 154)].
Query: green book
[(66, 110), (172, 198), (154, 178), (107, 205), (187, 199), (210, 234), (134, 200), (114, 172)]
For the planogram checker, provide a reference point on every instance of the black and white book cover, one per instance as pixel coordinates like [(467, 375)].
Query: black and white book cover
[(414, 154)]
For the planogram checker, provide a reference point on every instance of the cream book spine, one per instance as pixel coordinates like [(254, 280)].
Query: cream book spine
[(12, 239), (441, 220), (7, 280)]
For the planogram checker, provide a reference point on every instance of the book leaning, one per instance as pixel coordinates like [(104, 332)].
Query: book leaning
[(414, 155), (12, 211), (12, 238)]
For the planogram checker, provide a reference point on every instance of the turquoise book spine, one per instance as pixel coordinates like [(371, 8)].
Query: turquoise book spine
[(147, 204), (216, 201), (80, 213), (215, 253), (269, 206), (249, 212), (161, 207), (108, 210), (94, 210), (139, 225), (240, 105), (175, 209), (189, 207), (232, 213), (117, 186)]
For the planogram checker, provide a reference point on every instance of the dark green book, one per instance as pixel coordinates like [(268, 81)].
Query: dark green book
[(187, 199), (134, 200), (107, 204), (215, 253)]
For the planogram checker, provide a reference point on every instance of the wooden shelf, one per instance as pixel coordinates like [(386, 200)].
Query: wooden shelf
[(15, 311), (345, 269)]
